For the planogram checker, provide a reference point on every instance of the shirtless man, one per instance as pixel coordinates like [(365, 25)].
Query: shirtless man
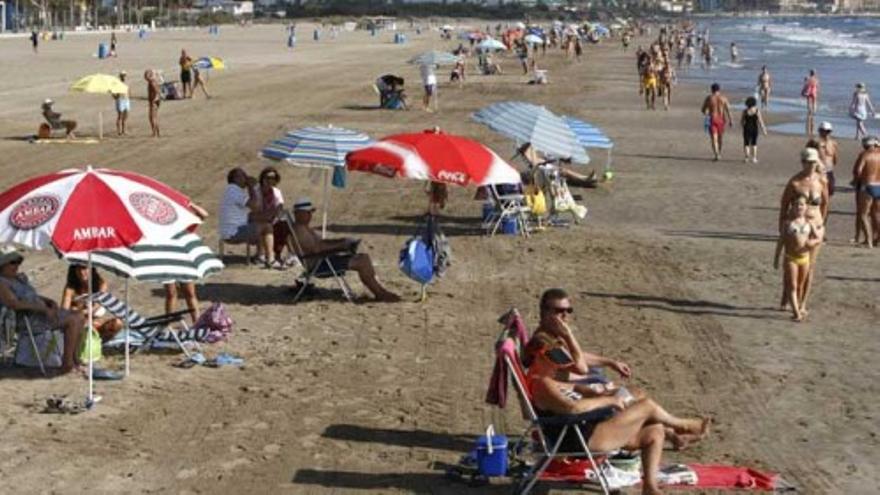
[(866, 179), (716, 108), (153, 99), (734, 53), (341, 252), (828, 155), (764, 85)]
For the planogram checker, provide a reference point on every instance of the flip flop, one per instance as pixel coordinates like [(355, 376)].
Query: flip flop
[(224, 359), (193, 360), (108, 375)]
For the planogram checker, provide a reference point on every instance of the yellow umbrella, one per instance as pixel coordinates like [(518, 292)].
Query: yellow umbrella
[(102, 84)]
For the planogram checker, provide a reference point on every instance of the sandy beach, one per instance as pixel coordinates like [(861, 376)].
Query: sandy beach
[(671, 271)]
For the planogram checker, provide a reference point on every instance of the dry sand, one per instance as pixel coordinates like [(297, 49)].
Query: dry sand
[(671, 271)]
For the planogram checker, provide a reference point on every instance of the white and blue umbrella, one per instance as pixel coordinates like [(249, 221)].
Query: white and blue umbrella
[(528, 123), (434, 57), (491, 44), (590, 136), (322, 147), (533, 39)]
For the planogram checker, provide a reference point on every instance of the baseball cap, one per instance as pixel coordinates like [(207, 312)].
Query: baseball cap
[(826, 126), (303, 204), (809, 155)]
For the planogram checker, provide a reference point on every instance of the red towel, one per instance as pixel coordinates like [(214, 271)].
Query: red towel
[(716, 476), (497, 393)]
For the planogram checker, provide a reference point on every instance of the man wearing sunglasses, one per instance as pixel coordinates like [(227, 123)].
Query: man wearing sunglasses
[(556, 309)]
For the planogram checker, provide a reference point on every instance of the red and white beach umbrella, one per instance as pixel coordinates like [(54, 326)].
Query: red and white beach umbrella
[(88, 210), (434, 156), (85, 210)]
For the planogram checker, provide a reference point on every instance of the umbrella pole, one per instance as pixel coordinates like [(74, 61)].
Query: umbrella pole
[(100, 125), (91, 397), (324, 200), (127, 334)]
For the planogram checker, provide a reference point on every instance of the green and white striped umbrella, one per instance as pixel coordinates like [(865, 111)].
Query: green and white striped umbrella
[(184, 258)]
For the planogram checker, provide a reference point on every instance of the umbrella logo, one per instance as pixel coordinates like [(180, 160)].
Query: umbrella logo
[(153, 208), (33, 212), (460, 178)]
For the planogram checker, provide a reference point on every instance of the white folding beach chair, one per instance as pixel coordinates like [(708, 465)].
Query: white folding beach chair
[(507, 207), (316, 265)]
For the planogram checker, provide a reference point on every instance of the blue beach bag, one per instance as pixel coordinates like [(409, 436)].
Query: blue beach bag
[(417, 260)]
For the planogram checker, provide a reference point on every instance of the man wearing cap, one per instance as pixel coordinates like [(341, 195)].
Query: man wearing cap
[(827, 154), (17, 294), (341, 251), (54, 119), (866, 180), (123, 106), (241, 218)]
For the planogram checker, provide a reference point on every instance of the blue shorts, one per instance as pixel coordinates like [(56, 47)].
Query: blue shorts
[(123, 105)]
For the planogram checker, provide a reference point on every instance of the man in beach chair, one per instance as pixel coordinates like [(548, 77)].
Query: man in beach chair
[(54, 122), (325, 258)]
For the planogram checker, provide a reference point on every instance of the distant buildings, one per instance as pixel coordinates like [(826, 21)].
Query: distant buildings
[(230, 7)]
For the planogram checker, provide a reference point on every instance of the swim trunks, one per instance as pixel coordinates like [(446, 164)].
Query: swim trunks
[(123, 105), (872, 190), (716, 126)]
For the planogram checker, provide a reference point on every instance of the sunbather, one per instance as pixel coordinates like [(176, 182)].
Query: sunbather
[(340, 251), (78, 285), (635, 424), (17, 294), (54, 119)]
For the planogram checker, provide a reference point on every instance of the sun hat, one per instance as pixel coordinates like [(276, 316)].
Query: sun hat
[(809, 155), (303, 204), (826, 126), (8, 254), (48, 102)]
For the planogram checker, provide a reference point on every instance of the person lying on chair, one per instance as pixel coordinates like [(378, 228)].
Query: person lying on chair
[(17, 294), (341, 252), (54, 119), (631, 424)]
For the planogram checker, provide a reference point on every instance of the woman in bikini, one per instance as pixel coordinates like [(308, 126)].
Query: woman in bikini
[(649, 83), (810, 92), (631, 424), (78, 285), (798, 237), (811, 184)]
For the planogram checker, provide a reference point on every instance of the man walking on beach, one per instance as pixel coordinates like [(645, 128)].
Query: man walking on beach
[(153, 99), (866, 180), (764, 84), (716, 108)]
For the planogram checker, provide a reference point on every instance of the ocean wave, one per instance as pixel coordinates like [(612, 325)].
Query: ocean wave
[(828, 42)]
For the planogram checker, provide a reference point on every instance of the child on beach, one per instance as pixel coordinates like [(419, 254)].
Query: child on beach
[(751, 122), (797, 239)]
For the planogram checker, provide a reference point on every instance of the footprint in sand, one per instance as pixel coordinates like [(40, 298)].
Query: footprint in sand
[(185, 474), (230, 465)]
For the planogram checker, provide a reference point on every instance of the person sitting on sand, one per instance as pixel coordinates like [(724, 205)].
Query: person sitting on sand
[(54, 119), (17, 294), (634, 424), (241, 216), (78, 285), (797, 238), (310, 243)]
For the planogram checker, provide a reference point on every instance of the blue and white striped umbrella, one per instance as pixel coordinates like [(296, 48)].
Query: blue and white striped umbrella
[(322, 147), (316, 146), (587, 134), (528, 123)]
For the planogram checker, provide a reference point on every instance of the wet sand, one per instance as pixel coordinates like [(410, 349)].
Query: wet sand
[(671, 271)]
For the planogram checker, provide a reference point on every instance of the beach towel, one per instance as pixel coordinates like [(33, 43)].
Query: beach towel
[(720, 477), (497, 392)]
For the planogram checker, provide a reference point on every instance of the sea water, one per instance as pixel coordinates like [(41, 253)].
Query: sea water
[(842, 50)]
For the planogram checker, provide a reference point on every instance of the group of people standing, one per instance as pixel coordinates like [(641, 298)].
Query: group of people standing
[(656, 75)]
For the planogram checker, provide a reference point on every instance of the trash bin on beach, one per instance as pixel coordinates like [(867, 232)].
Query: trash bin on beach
[(103, 50)]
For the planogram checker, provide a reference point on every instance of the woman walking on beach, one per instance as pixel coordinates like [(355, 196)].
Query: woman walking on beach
[(751, 122), (764, 86), (860, 108), (809, 183), (796, 239), (810, 92)]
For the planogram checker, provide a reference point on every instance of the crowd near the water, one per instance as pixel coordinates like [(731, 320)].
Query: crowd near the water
[(805, 202)]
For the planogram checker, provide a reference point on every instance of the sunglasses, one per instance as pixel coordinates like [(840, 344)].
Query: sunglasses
[(569, 310), (15, 263)]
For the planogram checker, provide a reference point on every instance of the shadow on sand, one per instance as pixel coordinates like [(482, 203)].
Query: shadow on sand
[(409, 224), (735, 236), (665, 157), (261, 295), (696, 307), (402, 438)]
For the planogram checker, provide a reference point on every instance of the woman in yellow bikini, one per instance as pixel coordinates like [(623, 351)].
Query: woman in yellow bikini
[(797, 239), (649, 83)]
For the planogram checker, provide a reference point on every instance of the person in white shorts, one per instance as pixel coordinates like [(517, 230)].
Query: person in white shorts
[(429, 80)]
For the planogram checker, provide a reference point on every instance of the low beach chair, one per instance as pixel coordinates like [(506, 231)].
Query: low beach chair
[(17, 327), (316, 265), (221, 249), (550, 438), (507, 206), (155, 332)]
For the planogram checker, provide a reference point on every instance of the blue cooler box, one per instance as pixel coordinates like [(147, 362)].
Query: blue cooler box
[(509, 226), (492, 461), (103, 51)]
